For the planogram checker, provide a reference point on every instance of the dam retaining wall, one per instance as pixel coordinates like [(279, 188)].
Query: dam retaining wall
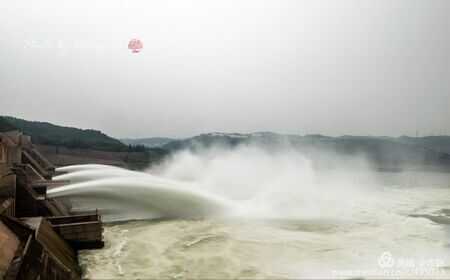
[(39, 238)]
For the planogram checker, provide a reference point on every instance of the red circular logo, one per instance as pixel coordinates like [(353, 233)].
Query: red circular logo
[(135, 45)]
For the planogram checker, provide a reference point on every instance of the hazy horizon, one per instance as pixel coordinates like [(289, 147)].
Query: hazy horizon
[(293, 67), (238, 132)]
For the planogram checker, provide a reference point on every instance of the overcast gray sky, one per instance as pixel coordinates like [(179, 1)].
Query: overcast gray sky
[(378, 67)]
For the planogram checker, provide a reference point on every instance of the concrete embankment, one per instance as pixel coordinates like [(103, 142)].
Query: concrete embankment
[(39, 238)]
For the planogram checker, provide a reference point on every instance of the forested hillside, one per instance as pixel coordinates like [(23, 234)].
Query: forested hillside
[(49, 134)]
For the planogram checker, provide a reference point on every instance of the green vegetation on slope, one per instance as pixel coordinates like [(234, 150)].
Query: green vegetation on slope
[(49, 134), (5, 125)]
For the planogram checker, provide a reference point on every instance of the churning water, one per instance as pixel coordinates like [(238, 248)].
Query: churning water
[(247, 213)]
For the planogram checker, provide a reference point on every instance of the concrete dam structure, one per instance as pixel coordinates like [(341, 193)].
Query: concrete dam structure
[(39, 238)]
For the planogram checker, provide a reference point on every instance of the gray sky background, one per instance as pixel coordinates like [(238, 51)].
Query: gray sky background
[(379, 67)]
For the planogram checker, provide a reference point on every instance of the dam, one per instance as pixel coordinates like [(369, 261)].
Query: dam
[(39, 237)]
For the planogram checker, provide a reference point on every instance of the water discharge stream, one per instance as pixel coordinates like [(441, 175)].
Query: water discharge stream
[(120, 194), (255, 215)]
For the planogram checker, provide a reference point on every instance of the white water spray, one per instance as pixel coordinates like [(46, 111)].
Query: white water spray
[(246, 182), (327, 220), (81, 167), (120, 194)]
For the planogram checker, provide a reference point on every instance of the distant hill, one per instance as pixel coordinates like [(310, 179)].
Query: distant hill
[(153, 142), (5, 125), (68, 145), (437, 143), (49, 134)]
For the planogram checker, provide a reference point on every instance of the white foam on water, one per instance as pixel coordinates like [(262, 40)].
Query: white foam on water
[(266, 215)]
